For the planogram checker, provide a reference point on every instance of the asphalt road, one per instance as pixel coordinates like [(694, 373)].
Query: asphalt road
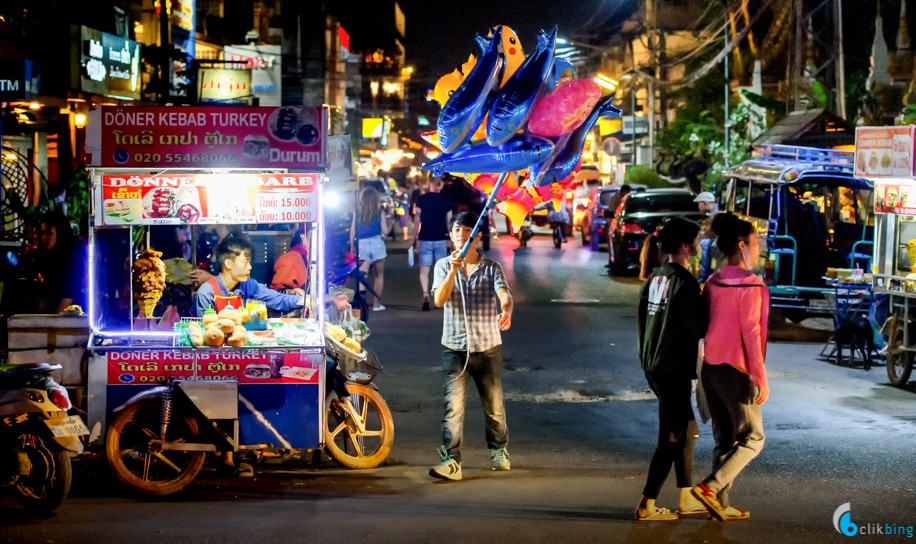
[(582, 429)]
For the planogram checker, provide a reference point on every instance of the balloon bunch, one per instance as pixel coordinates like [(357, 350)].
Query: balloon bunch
[(513, 125)]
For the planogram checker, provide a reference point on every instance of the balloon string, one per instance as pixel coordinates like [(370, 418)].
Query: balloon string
[(486, 210)]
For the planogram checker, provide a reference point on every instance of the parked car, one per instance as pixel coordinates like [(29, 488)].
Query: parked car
[(597, 215), (643, 213)]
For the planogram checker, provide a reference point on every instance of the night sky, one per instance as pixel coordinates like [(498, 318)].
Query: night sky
[(440, 34)]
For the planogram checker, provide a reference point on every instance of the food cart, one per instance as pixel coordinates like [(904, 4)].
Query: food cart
[(161, 391), (886, 156)]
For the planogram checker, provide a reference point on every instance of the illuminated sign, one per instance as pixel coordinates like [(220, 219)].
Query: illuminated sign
[(208, 137), (265, 64), (109, 65), (375, 127), (224, 86), (18, 79)]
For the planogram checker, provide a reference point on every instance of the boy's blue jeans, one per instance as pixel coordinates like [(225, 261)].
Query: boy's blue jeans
[(486, 369)]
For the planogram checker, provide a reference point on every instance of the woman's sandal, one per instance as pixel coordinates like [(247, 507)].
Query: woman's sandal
[(710, 500), (660, 514), (702, 511), (730, 513)]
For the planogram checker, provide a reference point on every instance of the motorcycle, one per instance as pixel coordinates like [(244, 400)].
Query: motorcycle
[(36, 435)]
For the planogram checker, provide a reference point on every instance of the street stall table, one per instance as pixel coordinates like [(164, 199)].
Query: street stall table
[(164, 386), (886, 156)]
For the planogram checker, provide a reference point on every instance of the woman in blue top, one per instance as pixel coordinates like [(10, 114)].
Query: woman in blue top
[(368, 226)]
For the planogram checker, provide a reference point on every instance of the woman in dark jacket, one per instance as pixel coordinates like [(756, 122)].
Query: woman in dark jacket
[(672, 319)]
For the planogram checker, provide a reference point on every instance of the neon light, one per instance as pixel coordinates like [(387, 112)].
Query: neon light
[(91, 267), (142, 334), (320, 285)]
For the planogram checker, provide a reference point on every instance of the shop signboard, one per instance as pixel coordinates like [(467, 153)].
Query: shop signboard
[(291, 137), (265, 64), (109, 64), (895, 195), (884, 152), (224, 86), (256, 367), (188, 198), (340, 162), (18, 79)]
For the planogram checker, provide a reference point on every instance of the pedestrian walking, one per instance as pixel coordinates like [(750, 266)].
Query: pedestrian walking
[(368, 226), (672, 320), (733, 375), (431, 232), (477, 304), (706, 203)]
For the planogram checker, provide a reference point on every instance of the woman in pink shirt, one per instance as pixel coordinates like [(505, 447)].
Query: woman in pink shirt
[(733, 373)]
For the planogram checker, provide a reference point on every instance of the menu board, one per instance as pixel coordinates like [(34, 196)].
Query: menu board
[(293, 137), (884, 152), (895, 196), (186, 198)]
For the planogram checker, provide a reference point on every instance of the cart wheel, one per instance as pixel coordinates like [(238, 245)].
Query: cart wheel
[(899, 361), (344, 440), (136, 464)]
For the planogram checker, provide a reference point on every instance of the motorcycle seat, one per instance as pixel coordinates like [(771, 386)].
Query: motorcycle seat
[(12, 372)]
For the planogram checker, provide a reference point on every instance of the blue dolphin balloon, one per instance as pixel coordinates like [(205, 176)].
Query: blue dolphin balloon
[(519, 153), (563, 162), (516, 99), (464, 111), (561, 67)]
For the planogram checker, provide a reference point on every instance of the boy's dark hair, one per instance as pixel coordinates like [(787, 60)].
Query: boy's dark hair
[(231, 247), (465, 219)]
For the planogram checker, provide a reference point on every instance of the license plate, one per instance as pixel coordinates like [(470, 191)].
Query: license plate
[(820, 303), (68, 426)]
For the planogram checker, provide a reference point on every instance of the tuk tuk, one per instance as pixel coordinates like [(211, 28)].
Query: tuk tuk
[(814, 217)]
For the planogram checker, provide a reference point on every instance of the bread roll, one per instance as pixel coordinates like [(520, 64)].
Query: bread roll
[(209, 318), (214, 337), (238, 339), (230, 313), (197, 340), (226, 325)]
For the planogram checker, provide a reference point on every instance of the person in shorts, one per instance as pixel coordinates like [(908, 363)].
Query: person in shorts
[(368, 225), (431, 234)]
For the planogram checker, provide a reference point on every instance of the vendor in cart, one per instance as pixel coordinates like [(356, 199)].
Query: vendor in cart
[(234, 285)]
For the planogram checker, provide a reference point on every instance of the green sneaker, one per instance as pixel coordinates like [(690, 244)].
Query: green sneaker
[(500, 459), (448, 469)]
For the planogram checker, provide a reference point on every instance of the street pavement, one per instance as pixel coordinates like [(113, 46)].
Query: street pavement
[(582, 429)]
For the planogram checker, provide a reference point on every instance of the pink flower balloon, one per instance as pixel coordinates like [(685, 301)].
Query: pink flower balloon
[(486, 182), (564, 109)]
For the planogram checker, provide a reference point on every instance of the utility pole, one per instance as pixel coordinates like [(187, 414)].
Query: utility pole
[(727, 142), (652, 22), (798, 64), (165, 46), (841, 60)]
